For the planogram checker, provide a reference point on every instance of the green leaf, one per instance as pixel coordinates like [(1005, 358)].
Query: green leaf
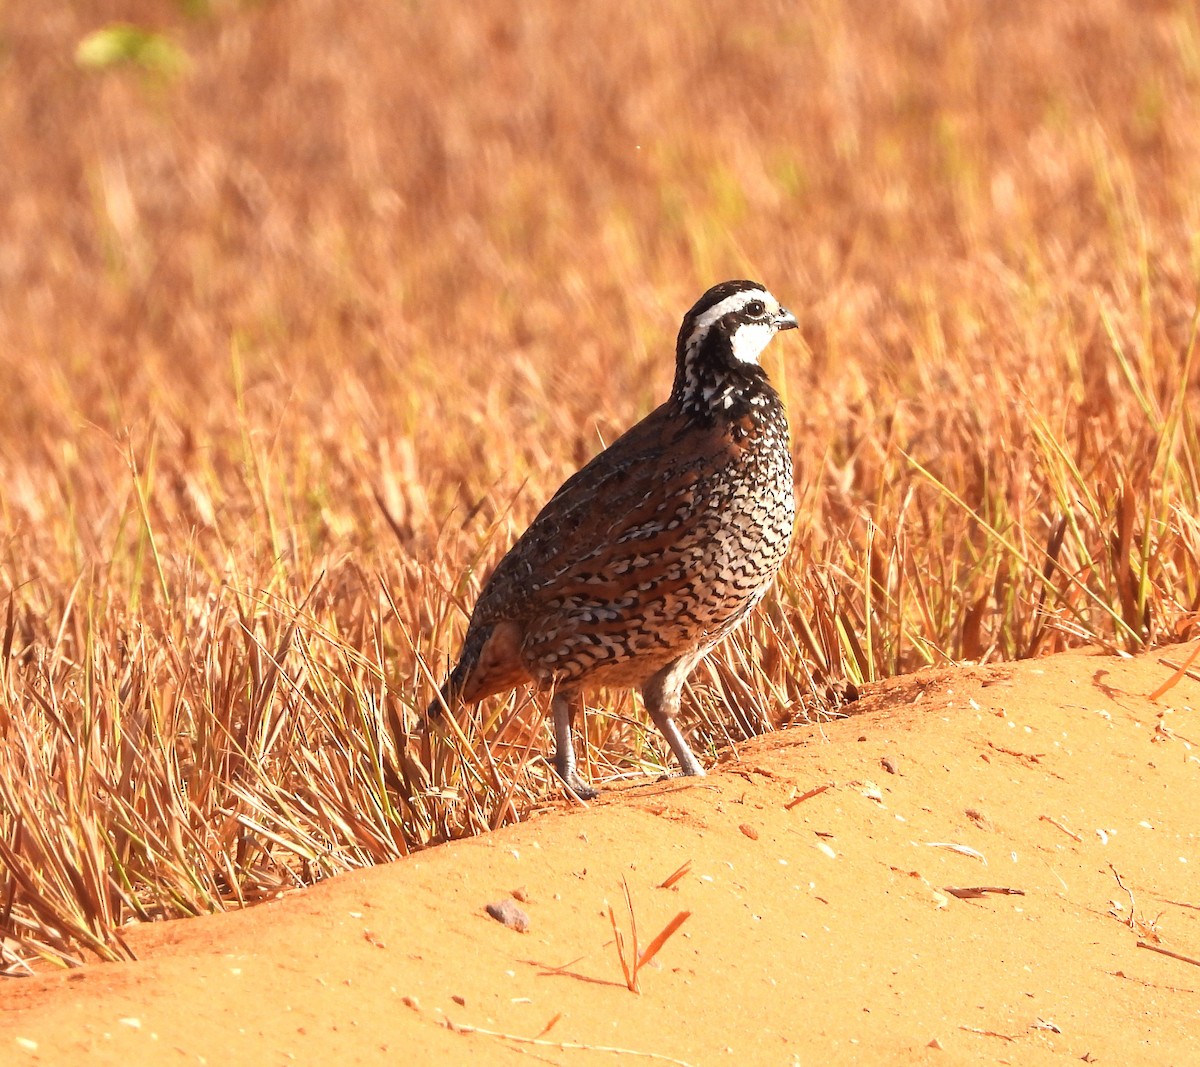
[(123, 44)]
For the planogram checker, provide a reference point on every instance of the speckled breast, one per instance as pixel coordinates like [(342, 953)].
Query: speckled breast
[(689, 573)]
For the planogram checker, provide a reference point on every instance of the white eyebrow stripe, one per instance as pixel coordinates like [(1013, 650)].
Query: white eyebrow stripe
[(724, 307)]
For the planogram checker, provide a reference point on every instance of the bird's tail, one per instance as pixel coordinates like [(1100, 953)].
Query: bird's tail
[(447, 696), (452, 687), (434, 711)]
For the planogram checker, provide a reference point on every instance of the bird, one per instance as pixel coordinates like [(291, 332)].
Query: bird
[(655, 550)]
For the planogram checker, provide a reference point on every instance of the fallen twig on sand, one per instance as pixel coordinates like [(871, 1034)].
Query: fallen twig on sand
[(1180, 903), (807, 795), (1180, 672), (1059, 826), (1028, 757), (987, 1033), (967, 892), (575, 1046), (1168, 952), (962, 850), (675, 875), (1132, 905)]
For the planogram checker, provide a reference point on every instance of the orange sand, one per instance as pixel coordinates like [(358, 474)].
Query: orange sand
[(820, 933)]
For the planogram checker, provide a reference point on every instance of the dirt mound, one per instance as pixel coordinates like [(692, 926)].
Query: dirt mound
[(979, 866)]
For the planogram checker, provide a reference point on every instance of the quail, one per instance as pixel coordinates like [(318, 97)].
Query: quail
[(656, 549)]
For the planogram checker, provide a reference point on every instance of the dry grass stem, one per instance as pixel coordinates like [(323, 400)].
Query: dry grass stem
[(987, 1033), (1168, 952), (675, 875), (1131, 922), (808, 794), (570, 1046), (1059, 826), (633, 960), (299, 334), (1183, 670)]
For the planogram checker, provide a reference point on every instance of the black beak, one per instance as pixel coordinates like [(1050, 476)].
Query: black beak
[(785, 320)]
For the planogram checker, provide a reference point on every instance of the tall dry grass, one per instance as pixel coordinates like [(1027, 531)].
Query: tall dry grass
[(298, 337)]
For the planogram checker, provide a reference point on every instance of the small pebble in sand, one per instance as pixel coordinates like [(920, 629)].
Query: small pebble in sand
[(505, 911)]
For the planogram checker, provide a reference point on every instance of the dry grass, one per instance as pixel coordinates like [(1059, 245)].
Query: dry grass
[(633, 957), (298, 336)]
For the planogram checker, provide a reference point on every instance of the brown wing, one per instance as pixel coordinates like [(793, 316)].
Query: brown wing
[(592, 531), (655, 549)]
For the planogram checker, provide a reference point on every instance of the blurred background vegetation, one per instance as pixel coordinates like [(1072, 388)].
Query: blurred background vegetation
[(305, 307)]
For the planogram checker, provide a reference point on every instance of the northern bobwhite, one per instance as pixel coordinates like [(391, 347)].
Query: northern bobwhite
[(656, 549)]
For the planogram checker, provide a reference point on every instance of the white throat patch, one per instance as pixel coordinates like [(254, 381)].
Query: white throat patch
[(749, 340)]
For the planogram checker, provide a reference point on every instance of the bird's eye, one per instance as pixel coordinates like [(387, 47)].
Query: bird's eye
[(755, 308)]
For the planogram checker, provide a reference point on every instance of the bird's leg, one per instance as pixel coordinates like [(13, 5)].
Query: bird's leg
[(661, 694), (564, 706)]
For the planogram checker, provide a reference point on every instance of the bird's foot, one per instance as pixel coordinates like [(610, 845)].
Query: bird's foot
[(579, 787), (839, 691)]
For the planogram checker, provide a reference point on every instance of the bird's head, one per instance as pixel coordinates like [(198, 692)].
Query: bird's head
[(720, 342)]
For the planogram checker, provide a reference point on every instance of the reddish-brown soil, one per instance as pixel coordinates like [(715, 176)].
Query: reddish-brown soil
[(821, 931)]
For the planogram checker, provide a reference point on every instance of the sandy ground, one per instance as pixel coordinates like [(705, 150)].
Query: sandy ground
[(821, 929)]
